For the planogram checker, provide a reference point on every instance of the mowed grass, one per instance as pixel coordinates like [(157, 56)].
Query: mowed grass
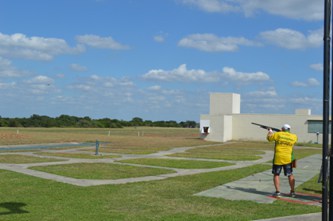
[(77, 155), (21, 159), (180, 164), (25, 197), (100, 170)]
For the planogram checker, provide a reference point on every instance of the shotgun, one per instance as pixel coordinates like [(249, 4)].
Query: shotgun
[(267, 127)]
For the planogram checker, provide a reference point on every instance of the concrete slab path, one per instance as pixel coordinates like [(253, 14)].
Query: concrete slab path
[(259, 187), (24, 168)]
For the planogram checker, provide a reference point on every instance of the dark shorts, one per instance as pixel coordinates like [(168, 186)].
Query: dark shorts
[(287, 169)]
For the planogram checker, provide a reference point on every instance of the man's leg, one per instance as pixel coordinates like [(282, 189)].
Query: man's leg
[(276, 170), (289, 172), (291, 183), (276, 180)]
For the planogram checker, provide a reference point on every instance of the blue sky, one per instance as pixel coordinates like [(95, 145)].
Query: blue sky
[(158, 59)]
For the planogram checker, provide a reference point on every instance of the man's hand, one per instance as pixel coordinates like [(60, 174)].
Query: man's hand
[(270, 132)]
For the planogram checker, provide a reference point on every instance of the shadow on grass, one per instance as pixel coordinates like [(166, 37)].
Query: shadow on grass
[(13, 208), (300, 197), (313, 190)]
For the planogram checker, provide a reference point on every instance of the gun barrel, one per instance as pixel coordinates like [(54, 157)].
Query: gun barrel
[(266, 127)]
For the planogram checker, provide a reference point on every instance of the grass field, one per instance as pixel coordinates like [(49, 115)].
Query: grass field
[(24, 197)]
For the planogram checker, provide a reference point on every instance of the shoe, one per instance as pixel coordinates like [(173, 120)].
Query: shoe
[(292, 194), (277, 194)]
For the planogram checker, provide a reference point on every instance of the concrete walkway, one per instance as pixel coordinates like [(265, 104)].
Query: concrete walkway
[(258, 187), (305, 217), (24, 168)]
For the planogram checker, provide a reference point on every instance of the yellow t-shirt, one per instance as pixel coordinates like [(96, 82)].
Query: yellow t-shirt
[(284, 142)]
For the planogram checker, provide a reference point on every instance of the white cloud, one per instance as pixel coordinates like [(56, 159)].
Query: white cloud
[(7, 70), (317, 67), (236, 76), (306, 100), (159, 38), (78, 67), (101, 42), (40, 85), (34, 48), (214, 5), (296, 9), (263, 93), (155, 88), (291, 39), (180, 74), (311, 82), (41, 79), (183, 74), (213, 43), (7, 85)]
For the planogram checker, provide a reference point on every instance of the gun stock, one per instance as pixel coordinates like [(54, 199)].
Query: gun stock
[(266, 127)]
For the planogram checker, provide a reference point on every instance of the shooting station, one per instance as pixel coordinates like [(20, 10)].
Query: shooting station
[(225, 122)]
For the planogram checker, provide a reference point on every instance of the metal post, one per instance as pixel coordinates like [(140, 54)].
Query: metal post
[(97, 146), (317, 138), (330, 192), (326, 97)]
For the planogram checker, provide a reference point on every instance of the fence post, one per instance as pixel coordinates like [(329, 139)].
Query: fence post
[(97, 146)]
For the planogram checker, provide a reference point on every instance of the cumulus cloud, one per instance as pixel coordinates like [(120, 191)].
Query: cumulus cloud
[(7, 85), (100, 84), (180, 74), (78, 67), (155, 88), (40, 84), (197, 75), (213, 43), (237, 76), (306, 100), (263, 93), (159, 38), (40, 79), (214, 5), (296, 9), (317, 67), (291, 39), (8, 70), (34, 48), (311, 82), (101, 42)]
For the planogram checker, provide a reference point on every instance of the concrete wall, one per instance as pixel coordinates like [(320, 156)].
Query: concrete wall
[(221, 128), (224, 103), (227, 123), (244, 130)]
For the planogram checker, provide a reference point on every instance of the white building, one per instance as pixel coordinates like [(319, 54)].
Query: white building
[(225, 122)]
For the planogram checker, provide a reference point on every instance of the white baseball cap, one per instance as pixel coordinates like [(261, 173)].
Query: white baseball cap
[(286, 126)]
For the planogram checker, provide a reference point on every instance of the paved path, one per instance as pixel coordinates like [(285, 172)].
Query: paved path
[(24, 168), (257, 187)]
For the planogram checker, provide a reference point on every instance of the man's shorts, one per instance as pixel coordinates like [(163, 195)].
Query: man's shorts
[(287, 169)]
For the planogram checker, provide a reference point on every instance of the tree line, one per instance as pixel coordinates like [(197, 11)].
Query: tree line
[(86, 122)]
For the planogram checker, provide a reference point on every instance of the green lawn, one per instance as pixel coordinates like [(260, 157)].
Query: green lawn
[(170, 199), (181, 164), (28, 198)]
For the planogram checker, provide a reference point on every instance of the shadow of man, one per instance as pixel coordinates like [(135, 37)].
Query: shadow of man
[(13, 207)]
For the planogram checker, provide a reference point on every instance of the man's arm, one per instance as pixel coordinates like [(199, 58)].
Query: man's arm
[(270, 135)]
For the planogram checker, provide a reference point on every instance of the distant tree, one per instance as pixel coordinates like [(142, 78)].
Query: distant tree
[(188, 124), (14, 123), (36, 120), (137, 121)]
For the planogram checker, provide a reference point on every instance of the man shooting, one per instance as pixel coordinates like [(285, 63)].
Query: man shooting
[(283, 157)]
